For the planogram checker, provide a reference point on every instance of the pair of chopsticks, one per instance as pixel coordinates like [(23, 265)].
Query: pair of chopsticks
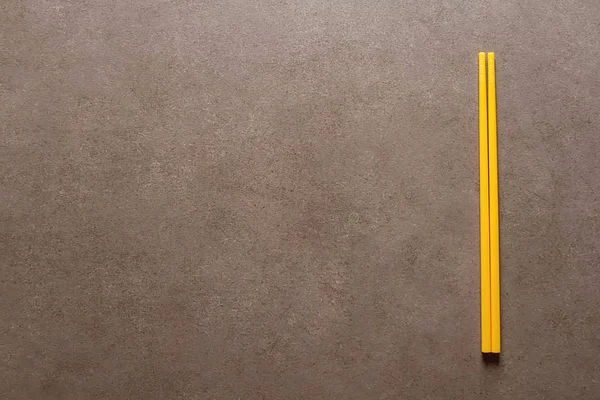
[(488, 189)]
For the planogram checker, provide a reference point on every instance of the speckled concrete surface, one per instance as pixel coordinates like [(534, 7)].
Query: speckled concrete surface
[(279, 199)]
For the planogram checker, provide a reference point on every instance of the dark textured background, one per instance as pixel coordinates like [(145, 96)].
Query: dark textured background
[(279, 199)]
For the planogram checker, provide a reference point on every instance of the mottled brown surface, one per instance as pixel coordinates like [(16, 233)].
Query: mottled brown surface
[(279, 199)]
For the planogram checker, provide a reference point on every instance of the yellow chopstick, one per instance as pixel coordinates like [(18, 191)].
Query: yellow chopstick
[(493, 193), (484, 212)]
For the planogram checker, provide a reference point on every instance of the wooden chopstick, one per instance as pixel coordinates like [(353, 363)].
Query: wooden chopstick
[(493, 193)]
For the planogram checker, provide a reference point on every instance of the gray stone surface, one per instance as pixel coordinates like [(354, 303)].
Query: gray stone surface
[(279, 199)]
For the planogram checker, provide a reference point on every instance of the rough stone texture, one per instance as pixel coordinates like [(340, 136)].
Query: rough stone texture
[(231, 199)]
